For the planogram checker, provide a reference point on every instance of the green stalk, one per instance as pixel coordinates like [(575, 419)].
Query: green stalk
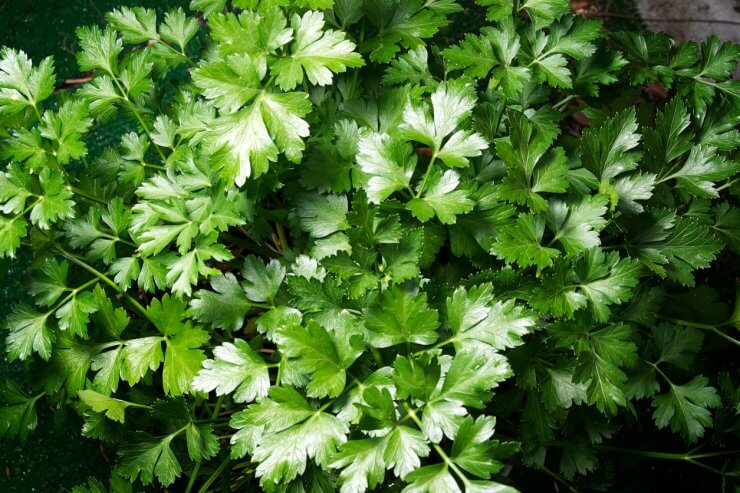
[(86, 195), (92, 270), (132, 106), (711, 328), (426, 176), (214, 476)]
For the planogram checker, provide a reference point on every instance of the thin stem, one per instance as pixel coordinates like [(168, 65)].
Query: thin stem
[(281, 237), (138, 116), (426, 176), (437, 448), (214, 476), (181, 53), (559, 479), (36, 110), (563, 102), (193, 477), (73, 293), (687, 457), (436, 346), (92, 270), (86, 195), (711, 328), (500, 117), (217, 408), (727, 185)]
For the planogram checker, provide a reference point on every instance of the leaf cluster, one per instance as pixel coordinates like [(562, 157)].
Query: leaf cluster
[(330, 253)]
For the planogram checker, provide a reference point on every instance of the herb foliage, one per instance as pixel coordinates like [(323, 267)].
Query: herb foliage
[(330, 253)]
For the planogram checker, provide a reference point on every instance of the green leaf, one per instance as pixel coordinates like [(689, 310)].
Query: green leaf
[(451, 104), (598, 280), (225, 307), (288, 424), (608, 150), (22, 85), (99, 49), (18, 414), (474, 451), (235, 368), (412, 66), (137, 25), (262, 281), (230, 83), (522, 243), (403, 318), (183, 271), (402, 259), (322, 215), (601, 355), (431, 479), (676, 345), (182, 357), (686, 408), (323, 353), (404, 24), (178, 28), (48, 285), (146, 457), (576, 225), (114, 409), (317, 52), (532, 169), (140, 356), (202, 442), (467, 382), (702, 168), (257, 34), (74, 315), (11, 232), (689, 246), (388, 164), (29, 333), (475, 319), (441, 198), (254, 136)]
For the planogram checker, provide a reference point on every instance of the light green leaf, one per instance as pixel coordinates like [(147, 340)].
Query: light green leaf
[(401, 318), (388, 163), (235, 368), (317, 52), (22, 85)]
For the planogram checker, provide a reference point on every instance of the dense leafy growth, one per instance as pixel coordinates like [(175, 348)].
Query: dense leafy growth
[(328, 254)]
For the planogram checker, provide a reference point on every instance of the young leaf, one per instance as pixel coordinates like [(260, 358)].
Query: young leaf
[(403, 318), (236, 368)]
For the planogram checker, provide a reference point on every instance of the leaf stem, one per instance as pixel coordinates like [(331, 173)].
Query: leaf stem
[(711, 328), (557, 477), (92, 270), (426, 176), (193, 477), (144, 126), (727, 185), (440, 451), (283, 242), (214, 476), (86, 195), (686, 457)]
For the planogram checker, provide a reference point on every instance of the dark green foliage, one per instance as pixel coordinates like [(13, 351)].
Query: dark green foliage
[(334, 254)]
